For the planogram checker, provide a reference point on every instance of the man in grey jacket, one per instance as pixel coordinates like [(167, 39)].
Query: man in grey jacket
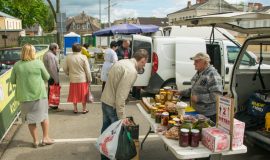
[(51, 64), (206, 85), (121, 78)]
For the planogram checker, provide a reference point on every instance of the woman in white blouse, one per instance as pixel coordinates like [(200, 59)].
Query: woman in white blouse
[(110, 57)]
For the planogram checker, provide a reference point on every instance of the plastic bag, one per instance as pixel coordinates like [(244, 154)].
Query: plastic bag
[(90, 97), (54, 95), (126, 148), (107, 142)]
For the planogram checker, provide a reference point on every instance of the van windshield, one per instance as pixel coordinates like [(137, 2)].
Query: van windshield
[(233, 52)]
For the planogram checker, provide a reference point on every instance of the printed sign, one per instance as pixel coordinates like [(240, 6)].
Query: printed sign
[(224, 112)]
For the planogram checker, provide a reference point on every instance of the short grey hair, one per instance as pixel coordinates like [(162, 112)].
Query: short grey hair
[(53, 46), (139, 54)]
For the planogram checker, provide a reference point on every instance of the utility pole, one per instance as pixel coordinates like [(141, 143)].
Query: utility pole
[(109, 18), (99, 21), (58, 33)]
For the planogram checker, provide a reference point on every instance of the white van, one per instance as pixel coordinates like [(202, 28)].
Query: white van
[(169, 61), (247, 80)]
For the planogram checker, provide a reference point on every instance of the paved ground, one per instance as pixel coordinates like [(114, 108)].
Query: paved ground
[(75, 135)]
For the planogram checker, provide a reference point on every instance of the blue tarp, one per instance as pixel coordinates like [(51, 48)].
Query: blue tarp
[(126, 29)]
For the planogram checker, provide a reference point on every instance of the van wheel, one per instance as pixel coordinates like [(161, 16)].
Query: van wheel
[(170, 84)]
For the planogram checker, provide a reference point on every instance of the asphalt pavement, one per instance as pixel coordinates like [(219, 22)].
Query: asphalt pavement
[(75, 135)]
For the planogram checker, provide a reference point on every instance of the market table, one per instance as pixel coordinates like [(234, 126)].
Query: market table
[(187, 152)]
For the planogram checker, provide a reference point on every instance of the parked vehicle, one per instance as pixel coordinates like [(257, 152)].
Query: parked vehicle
[(169, 63), (245, 81)]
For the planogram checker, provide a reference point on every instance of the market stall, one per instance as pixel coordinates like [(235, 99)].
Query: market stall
[(213, 141)]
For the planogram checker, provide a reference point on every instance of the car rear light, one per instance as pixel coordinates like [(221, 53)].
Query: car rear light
[(155, 63)]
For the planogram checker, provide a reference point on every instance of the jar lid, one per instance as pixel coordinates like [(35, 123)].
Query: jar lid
[(184, 130), (176, 119), (165, 113), (195, 131)]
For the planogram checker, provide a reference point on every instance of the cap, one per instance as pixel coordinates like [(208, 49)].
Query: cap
[(201, 55)]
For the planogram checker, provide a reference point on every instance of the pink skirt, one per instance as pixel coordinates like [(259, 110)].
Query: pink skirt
[(78, 92)]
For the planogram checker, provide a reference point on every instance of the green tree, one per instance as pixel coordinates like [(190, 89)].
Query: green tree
[(30, 12)]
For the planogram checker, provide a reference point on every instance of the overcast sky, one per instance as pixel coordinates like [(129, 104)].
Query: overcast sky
[(131, 8)]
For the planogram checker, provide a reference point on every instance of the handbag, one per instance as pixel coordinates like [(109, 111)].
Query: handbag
[(126, 148), (54, 95)]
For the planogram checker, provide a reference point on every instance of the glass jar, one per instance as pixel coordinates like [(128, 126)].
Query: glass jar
[(169, 95), (195, 138), (177, 121), (184, 137), (171, 123), (161, 90), (187, 124), (202, 123), (153, 112), (164, 118), (158, 117)]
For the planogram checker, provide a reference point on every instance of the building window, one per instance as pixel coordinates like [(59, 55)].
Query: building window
[(78, 26), (83, 26)]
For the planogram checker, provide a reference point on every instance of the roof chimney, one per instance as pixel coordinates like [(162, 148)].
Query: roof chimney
[(188, 4), (200, 1)]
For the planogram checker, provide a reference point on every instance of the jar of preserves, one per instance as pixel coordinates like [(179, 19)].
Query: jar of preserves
[(171, 123), (177, 121), (187, 124), (169, 95), (157, 98), (161, 90), (153, 112), (173, 116), (158, 117), (195, 138), (164, 118), (184, 137), (202, 123)]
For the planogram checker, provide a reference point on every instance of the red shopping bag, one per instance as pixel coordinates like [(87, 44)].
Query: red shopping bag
[(54, 95)]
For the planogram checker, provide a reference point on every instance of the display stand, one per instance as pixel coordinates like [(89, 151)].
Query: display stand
[(187, 152)]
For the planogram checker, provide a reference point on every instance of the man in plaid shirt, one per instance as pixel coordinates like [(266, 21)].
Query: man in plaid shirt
[(206, 85)]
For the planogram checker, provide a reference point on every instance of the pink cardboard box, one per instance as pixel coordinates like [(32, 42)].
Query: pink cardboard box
[(238, 133), (215, 139)]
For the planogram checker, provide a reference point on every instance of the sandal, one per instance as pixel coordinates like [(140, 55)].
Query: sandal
[(75, 112), (44, 143), (85, 111)]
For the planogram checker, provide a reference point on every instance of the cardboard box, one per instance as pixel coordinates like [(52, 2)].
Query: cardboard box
[(238, 133), (215, 139)]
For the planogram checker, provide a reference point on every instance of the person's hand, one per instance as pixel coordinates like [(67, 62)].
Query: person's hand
[(126, 122), (194, 98)]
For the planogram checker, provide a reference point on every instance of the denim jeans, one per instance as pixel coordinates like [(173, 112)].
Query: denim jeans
[(109, 116)]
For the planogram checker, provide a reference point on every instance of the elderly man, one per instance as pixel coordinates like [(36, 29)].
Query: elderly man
[(51, 63), (206, 85), (124, 51)]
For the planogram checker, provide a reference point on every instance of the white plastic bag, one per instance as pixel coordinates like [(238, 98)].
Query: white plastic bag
[(107, 142)]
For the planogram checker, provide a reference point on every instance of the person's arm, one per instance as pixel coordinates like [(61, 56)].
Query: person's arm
[(65, 66), (114, 57), (13, 75), (185, 93), (86, 68), (53, 69), (214, 87), (44, 73), (122, 92)]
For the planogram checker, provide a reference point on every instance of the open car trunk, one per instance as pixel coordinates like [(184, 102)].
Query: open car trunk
[(245, 80)]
